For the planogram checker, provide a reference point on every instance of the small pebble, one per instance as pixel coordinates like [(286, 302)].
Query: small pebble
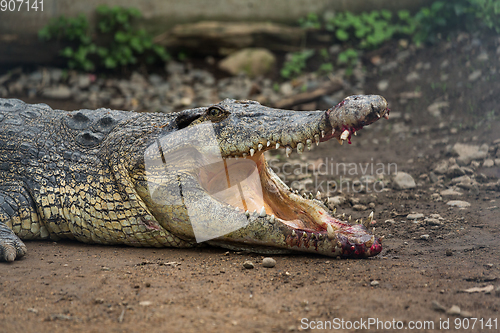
[(424, 237), (374, 283), (449, 253), (437, 307), (248, 264), (453, 311), (145, 303), (268, 262)]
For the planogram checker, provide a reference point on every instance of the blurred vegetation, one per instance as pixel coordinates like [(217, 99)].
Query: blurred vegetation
[(113, 43), (369, 30)]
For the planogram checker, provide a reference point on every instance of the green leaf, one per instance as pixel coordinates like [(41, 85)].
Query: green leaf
[(110, 62), (341, 35), (121, 37)]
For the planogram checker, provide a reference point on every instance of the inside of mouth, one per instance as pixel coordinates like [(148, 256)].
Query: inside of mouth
[(249, 184)]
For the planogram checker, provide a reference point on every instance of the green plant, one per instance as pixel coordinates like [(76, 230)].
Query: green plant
[(120, 43), (369, 30), (349, 58), (296, 64)]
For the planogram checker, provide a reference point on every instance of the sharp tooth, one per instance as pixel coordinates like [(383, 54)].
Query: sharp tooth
[(386, 116), (370, 242), (308, 144), (247, 213), (322, 133), (320, 236), (333, 131), (380, 239), (316, 138), (304, 235), (272, 219), (313, 236), (356, 222), (262, 212), (288, 151), (340, 141), (293, 233), (355, 133), (343, 216), (318, 195), (260, 146), (300, 148), (254, 211), (329, 230), (344, 135), (277, 145), (268, 143), (334, 211), (369, 220), (349, 219), (252, 151), (378, 115), (237, 209)]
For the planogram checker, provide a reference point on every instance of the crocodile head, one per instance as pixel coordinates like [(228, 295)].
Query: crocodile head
[(210, 181)]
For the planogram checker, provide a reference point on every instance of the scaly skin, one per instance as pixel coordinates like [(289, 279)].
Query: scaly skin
[(115, 177)]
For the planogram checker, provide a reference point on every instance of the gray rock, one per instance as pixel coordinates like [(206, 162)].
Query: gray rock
[(467, 153), (413, 76), (248, 264), (475, 75), (458, 203), (268, 262), (336, 201), (414, 216), (437, 307), (174, 67), (251, 61), (359, 207), (55, 74), (453, 311), (433, 178), (425, 237), (383, 85), (455, 171), (83, 81), (488, 163), (450, 192), (441, 167), (374, 283), (403, 181), (59, 92)]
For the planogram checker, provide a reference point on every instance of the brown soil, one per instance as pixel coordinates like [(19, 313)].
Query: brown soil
[(69, 286)]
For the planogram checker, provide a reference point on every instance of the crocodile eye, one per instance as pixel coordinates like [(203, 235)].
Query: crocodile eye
[(215, 111)]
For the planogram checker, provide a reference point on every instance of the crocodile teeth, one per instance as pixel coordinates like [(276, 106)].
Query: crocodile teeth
[(262, 212), (334, 211), (344, 135), (272, 219), (378, 115), (349, 218), (300, 148), (340, 141), (304, 235), (268, 143), (277, 145), (355, 133), (369, 220), (288, 151), (329, 230), (318, 195), (252, 151), (333, 131), (260, 146), (316, 138), (293, 233), (322, 134), (370, 242), (308, 144), (386, 116), (247, 213)]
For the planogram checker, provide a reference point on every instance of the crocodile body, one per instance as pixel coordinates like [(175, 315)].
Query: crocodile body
[(144, 179)]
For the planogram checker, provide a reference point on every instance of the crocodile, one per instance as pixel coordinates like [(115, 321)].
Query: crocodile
[(163, 180)]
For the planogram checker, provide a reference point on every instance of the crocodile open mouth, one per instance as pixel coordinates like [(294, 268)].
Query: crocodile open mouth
[(250, 185)]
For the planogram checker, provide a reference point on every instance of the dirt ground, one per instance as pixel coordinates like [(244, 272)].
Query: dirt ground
[(69, 286)]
